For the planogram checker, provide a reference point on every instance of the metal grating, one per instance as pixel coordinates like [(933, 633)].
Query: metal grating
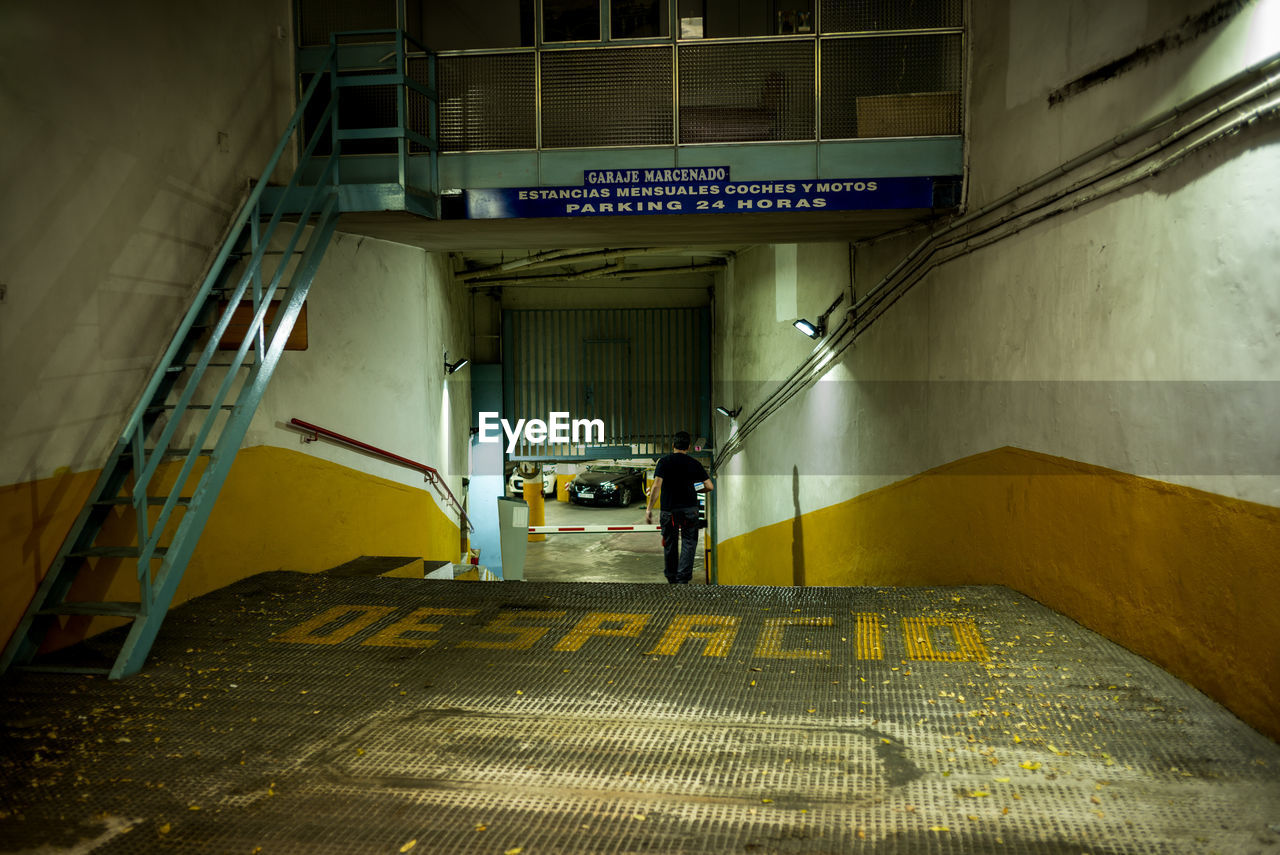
[(275, 718), (318, 18), (747, 92), (643, 372), (488, 102), (606, 97), (895, 86), (843, 16), (418, 117)]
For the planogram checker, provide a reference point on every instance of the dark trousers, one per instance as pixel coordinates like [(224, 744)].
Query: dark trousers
[(679, 543)]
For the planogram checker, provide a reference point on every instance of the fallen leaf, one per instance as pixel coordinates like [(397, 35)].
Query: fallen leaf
[(409, 845), (1029, 764)]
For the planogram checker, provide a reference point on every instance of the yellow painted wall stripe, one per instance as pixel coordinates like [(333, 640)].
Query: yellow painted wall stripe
[(1185, 578), (247, 532)]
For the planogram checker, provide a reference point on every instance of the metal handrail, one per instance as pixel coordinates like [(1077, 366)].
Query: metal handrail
[(431, 474)]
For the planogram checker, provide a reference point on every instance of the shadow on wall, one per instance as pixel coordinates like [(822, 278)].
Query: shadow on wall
[(797, 532)]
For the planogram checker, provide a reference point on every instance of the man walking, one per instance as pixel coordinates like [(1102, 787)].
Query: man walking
[(673, 482)]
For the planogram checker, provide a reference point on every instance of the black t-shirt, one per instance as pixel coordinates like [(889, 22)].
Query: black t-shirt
[(679, 472)]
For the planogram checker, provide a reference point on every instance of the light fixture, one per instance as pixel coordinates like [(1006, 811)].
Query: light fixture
[(728, 413), (450, 367), (811, 330)]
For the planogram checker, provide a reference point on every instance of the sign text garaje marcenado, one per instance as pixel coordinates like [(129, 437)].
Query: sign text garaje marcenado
[(695, 190)]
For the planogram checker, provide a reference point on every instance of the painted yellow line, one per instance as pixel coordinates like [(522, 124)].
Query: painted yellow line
[(769, 645), (394, 635), (593, 625), (718, 631), (918, 632), (928, 639)]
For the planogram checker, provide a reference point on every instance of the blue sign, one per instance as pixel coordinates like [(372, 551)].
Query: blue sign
[(695, 190)]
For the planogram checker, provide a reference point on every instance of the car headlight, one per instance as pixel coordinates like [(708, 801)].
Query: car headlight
[(609, 487)]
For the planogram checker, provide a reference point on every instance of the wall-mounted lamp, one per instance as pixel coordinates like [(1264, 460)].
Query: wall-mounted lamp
[(728, 413), (450, 367), (819, 329), (811, 330)]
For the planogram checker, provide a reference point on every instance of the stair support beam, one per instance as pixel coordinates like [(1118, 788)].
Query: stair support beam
[(142, 633)]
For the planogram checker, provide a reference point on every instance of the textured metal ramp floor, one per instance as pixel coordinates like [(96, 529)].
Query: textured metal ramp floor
[(321, 714)]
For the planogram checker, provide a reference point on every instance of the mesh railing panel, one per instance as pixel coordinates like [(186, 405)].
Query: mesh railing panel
[(606, 97), (846, 16), (895, 86), (487, 101), (318, 18), (746, 92)]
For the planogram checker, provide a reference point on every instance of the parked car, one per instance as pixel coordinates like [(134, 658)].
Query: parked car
[(602, 484), (516, 482)]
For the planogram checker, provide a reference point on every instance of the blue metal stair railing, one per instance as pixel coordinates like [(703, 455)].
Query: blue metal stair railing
[(408, 179), (209, 402)]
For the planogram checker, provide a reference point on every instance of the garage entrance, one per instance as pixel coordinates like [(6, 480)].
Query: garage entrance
[(644, 374)]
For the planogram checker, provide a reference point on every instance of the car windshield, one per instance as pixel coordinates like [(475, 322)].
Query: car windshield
[(609, 470)]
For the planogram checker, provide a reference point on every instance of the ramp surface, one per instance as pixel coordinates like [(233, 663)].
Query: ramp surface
[(328, 714)]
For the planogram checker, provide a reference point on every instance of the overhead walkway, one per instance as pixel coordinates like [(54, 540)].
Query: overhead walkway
[(352, 714)]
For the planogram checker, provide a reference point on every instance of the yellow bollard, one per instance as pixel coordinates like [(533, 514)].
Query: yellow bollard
[(562, 486), (537, 508)]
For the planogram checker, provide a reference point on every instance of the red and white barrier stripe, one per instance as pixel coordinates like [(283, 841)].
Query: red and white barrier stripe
[(589, 529)]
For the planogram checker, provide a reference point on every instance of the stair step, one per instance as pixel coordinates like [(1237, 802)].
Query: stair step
[(183, 501), (96, 608), (190, 407), (172, 452), (63, 669), (116, 552), (248, 363)]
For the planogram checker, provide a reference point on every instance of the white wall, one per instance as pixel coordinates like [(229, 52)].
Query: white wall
[(115, 187), (1140, 332), (380, 316)]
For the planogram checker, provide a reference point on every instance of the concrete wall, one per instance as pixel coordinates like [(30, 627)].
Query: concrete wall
[(130, 133), (1083, 411)]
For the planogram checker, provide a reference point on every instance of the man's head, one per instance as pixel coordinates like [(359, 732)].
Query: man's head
[(681, 442)]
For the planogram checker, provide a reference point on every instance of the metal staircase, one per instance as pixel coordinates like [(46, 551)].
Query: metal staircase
[(181, 439)]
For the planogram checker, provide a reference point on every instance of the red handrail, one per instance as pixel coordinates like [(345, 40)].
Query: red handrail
[(432, 475)]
